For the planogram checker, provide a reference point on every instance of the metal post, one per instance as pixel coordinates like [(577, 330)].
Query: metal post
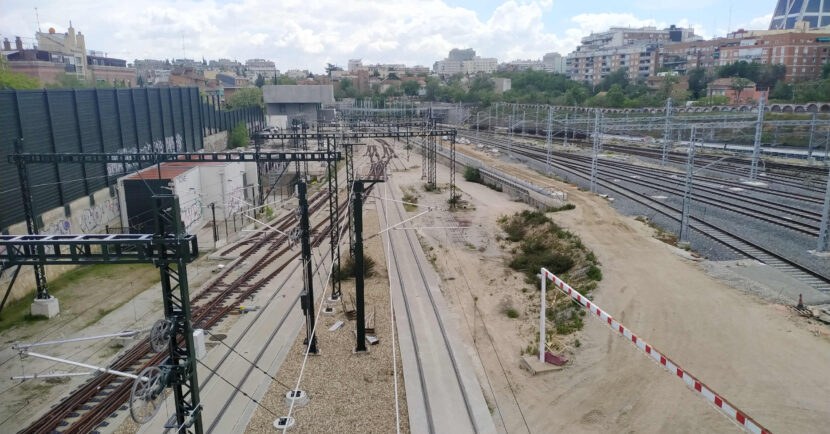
[(542, 320), (810, 143), (453, 197), (550, 137), (595, 153), (357, 207), (666, 133), (565, 141), (28, 205), (756, 150), (175, 296), (477, 123), (307, 296), (523, 121), (824, 230), (334, 224), (215, 229), (687, 191)]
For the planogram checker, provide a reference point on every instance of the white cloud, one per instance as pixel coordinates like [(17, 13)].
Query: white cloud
[(307, 34)]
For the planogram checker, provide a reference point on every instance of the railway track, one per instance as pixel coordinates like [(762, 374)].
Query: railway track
[(732, 166), (731, 240), (789, 217), (433, 348), (93, 402)]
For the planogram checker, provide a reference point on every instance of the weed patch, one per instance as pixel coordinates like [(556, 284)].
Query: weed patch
[(538, 242)]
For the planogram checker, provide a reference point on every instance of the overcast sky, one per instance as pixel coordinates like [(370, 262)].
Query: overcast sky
[(306, 34)]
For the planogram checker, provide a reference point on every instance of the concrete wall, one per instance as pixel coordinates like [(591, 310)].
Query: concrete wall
[(188, 187), (216, 142), (84, 218)]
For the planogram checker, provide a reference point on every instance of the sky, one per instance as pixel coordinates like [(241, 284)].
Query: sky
[(307, 34)]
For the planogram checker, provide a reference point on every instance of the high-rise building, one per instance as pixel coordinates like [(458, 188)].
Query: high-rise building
[(789, 13), (634, 50)]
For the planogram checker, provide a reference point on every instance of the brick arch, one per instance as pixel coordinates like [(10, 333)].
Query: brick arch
[(800, 109), (825, 108), (787, 109), (812, 108)]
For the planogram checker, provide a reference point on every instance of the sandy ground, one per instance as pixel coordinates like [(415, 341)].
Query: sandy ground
[(348, 392), (763, 359)]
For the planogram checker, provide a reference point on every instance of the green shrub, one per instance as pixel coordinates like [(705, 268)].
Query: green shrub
[(566, 207), (239, 136), (511, 313), (472, 174), (347, 268), (594, 273)]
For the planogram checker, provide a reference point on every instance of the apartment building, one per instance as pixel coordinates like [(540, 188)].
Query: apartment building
[(635, 50)]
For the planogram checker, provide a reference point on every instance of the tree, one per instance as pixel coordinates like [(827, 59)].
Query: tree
[(332, 67), (410, 87), (392, 76), (769, 75), (260, 81), (825, 71), (738, 85), (619, 77), (139, 81), (244, 98), (698, 80), (239, 136), (12, 80), (782, 91), (67, 81), (615, 96)]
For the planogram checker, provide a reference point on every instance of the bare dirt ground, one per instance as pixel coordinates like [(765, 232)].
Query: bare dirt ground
[(348, 392), (766, 361)]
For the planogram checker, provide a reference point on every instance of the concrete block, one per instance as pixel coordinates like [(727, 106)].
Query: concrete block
[(46, 307), (535, 367)]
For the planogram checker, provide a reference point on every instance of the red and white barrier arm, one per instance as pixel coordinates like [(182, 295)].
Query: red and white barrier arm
[(721, 403)]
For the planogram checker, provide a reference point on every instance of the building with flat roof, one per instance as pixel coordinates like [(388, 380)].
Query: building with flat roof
[(634, 50), (465, 62), (65, 53), (286, 103)]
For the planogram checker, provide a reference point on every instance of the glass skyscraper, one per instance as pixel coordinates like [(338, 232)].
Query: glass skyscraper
[(788, 12)]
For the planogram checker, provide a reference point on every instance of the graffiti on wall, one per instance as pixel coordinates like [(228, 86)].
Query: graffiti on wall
[(95, 218), (156, 147), (192, 213)]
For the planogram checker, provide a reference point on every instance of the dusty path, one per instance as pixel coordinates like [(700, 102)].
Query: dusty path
[(766, 362)]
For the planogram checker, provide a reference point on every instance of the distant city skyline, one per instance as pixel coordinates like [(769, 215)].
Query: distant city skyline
[(307, 35)]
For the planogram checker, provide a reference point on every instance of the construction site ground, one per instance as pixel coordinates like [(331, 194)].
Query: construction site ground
[(759, 355)]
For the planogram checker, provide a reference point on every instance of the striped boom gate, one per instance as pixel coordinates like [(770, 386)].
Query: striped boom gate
[(720, 402)]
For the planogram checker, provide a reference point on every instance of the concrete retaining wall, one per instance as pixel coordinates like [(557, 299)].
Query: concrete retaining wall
[(216, 142)]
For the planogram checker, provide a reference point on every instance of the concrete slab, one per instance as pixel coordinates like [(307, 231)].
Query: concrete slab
[(441, 386), (535, 367)]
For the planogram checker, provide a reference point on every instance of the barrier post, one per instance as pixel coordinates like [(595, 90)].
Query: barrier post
[(542, 321)]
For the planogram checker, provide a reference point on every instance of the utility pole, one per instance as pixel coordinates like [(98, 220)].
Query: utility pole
[(565, 140), (595, 153), (687, 191), (824, 231), (307, 297), (810, 143), (666, 132), (477, 123), (550, 136), (756, 151)]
